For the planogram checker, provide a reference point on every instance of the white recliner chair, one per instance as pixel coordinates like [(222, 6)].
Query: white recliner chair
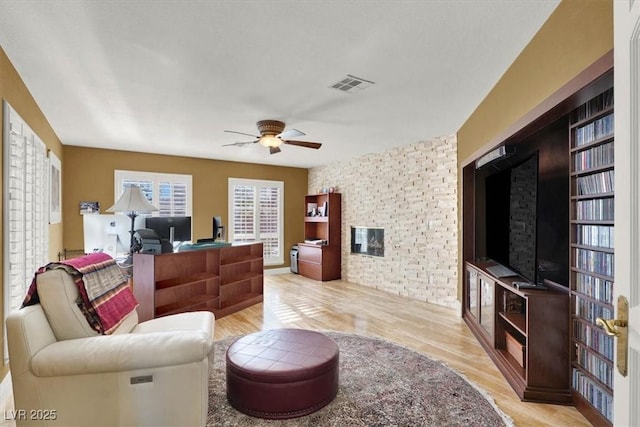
[(64, 373)]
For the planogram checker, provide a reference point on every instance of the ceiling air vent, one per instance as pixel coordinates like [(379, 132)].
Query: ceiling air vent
[(352, 84)]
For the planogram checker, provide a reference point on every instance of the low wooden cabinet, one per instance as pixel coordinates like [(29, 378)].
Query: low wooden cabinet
[(221, 280), (318, 262), (524, 331)]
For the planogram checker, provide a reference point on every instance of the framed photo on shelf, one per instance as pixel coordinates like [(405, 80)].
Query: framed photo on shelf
[(312, 209), (89, 208), (55, 189)]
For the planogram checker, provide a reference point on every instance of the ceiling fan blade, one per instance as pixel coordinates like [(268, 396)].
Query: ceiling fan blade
[(274, 150), (241, 133), (240, 144), (291, 133), (306, 144)]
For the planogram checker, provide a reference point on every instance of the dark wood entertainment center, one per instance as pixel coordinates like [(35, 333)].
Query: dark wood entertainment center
[(513, 326), (545, 341)]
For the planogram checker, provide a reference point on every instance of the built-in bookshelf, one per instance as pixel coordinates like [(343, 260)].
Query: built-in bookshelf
[(592, 255)]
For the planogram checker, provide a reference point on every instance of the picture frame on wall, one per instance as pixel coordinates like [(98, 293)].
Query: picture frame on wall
[(55, 193)]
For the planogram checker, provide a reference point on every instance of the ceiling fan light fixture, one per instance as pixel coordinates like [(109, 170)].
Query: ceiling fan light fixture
[(270, 141), (273, 135)]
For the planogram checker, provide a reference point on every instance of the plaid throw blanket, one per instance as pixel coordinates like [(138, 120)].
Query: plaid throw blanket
[(105, 297)]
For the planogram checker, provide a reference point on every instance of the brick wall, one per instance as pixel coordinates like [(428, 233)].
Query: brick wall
[(522, 217), (411, 191)]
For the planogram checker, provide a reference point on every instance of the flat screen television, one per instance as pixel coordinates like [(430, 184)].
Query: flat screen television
[(512, 216), (522, 209), (171, 228)]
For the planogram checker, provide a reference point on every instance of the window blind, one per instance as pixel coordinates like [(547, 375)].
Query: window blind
[(256, 212), (270, 221), (170, 193), (26, 207), (244, 206)]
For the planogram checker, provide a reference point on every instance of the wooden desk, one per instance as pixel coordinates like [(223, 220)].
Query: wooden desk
[(222, 280)]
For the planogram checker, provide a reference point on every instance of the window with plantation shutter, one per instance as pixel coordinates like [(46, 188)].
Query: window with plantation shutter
[(256, 212), (26, 207), (170, 193), (243, 227)]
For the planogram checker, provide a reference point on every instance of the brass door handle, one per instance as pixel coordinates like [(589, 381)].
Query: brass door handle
[(618, 328), (611, 325)]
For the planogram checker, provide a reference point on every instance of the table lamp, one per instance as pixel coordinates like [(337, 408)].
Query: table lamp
[(131, 203)]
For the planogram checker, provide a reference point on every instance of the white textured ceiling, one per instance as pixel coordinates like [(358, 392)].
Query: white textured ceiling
[(169, 76)]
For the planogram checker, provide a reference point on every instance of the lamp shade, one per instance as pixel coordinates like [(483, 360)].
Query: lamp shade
[(132, 200)]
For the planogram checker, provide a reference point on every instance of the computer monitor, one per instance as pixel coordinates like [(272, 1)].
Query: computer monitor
[(171, 228), (216, 231)]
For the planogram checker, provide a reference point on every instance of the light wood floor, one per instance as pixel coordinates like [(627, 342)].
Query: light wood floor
[(296, 302)]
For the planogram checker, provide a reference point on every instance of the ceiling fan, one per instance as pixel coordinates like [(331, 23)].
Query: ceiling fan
[(272, 135)]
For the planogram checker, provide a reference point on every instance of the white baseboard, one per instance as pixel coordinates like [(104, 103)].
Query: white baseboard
[(457, 305), (276, 271)]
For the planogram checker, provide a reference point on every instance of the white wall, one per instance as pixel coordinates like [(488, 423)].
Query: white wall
[(411, 191)]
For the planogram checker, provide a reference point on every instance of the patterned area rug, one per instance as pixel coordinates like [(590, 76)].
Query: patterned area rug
[(381, 384)]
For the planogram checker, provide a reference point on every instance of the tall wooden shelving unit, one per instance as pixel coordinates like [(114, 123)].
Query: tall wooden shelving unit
[(592, 255), (321, 260)]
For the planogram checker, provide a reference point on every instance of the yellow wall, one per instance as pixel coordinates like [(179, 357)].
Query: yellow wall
[(87, 175), (575, 35), (14, 91)]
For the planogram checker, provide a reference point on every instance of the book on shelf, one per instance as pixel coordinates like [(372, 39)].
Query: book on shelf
[(315, 241), (595, 209), (324, 209), (594, 337), (594, 261), (594, 106), (602, 182), (595, 287), (595, 235), (599, 398), (513, 303), (595, 157), (590, 310), (601, 369), (595, 130)]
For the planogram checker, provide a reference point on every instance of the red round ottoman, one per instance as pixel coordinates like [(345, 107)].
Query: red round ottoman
[(282, 373)]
